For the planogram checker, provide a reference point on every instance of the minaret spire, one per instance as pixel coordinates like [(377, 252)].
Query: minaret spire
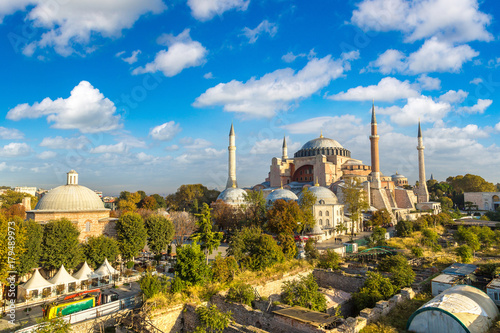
[(422, 193), (231, 179), (284, 149), (375, 182)]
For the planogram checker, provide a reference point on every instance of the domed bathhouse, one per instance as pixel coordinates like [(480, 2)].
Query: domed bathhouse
[(77, 203), (233, 196), (280, 194)]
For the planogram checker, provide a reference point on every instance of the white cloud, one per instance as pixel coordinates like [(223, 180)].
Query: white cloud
[(70, 26), (452, 20), (190, 143), (208, 75), (290, 57), (8, 7), (45, 155), (118, 148), (166, 131), (264, 27), (182, 53), (15, 149), (423, 108), (388, 89), (274, 91), (476, 81), (433, 56), (129, 60), (10, 133), (3, 166), (272, 146), (429, 83), (172, 148), (497, 127), (86, 110), (201, 156), (479, 107), (453, 97), (59, 142), (204, 10)]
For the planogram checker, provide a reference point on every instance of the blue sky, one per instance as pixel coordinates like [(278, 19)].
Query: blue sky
[(141, 94)]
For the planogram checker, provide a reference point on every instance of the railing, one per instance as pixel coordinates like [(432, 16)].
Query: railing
[(96, 312)]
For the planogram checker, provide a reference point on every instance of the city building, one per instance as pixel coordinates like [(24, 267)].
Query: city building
[(26, 189), (486, 201)]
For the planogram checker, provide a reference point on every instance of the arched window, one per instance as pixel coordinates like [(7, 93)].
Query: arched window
[(320, 213), (322, 202), (327, 213), (320, 222), (327, 222), (87, 226)]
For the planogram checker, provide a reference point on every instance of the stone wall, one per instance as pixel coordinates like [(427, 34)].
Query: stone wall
[(339, 280), (168, 319), (273, 288)]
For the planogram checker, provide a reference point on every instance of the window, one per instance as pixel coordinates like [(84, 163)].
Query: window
[(87, 226), (327, 213), (327, 222), (320, 222), (320, 213), (322, 202)]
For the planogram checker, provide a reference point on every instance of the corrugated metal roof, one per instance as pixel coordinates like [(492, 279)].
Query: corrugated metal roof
[(445, 278), (460, 269), (494, 284)]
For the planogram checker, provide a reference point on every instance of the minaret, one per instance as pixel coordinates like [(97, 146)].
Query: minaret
[(422, 193), (375, 182), (284, 150), (231, 179)]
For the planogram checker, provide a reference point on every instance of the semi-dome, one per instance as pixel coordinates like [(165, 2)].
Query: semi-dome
[(323, 195), (322, 146), (70, 197), (282, 194), (233, 196)]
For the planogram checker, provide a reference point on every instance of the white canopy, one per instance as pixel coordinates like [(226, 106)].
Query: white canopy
[(62, 277), (85, 273), (36, 282), (106, 269)]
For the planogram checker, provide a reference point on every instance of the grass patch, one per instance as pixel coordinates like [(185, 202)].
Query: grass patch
[(396, 320)]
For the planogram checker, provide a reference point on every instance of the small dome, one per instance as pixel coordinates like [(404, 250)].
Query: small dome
[(397, 175), (233, 196), (70, 198), (283, 194), (323, 195)]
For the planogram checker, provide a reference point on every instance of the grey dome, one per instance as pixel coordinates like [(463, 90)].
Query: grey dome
[(323, 195), (283, 194), (233, 196), (322, 146), (70, 198), (397, 175)]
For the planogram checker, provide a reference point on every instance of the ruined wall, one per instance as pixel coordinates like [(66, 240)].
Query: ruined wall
[(338, 280), (273, 288), (168, 319)]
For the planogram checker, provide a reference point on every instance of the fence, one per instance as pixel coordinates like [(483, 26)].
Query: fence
[(96, 312)]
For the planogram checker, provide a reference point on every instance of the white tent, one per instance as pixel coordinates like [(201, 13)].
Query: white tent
[(37, 282), (106, 269), (85, 273), (62, 277)]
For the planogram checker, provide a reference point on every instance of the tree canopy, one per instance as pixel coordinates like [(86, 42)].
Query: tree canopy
[(33, 245), (303, 292), (284, 217), (191, 267), (208, 239), (355, 199), (190, 197), (99, 248), (60, 245), (131, 234), (10, 197), (160, 232)]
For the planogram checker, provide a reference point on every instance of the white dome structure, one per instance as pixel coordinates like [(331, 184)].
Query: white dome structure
[(233, 196), (323, 195), (460, 308), (282, 194)]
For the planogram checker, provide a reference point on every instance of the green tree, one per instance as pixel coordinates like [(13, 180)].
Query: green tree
[(189, 197), (209, 240), (55, 325), (465, 253), (287, 244), (284, 217), (355, 199), (375, 288), (255, 212), (226, 216), (306, 203), (404, 228), (466, 235), (212, 319), (160, 232), (150, 285), (9, 198), (149, 203), (310, 249), (402, 275), (160, 201), (191, 267), (241, 293), (33, 245), (446, 203), (60, 245), (255, 250), (303, 292), (12, 244), (380, 217), (329, 259), (223, 269), (378, 236), (99, 248), (131, 234)]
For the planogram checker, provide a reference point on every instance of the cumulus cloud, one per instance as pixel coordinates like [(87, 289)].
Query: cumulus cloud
[(453, 97), (451, 20), (129, 60), (190, 143), (275, 91), (479, 107), (59, 142), (118, 148), (264, 27), (86, 110), (208, 75), (388, 89), (422, 107), (204, 10), (182, 53), (14, 149), (497, 127), (429, 83), (272, 146), (46, 155), (166, 131), (476, 81), (70, 26), (10, 133), (433, 56)]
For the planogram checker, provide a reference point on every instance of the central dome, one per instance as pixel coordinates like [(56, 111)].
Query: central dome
[(70, 198), (322, 146)]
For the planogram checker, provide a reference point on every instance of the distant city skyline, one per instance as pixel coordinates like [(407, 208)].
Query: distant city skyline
[(140, 95)]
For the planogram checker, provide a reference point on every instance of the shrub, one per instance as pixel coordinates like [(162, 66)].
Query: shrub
[(376, 288), (404, 229), (402, 273), (417, 251), (241, 293), (150, 285), (303, 292), (223, 269), (310, 249), (329, 259), (212, 319), (130, 264), (465, 253), (287, 244)]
